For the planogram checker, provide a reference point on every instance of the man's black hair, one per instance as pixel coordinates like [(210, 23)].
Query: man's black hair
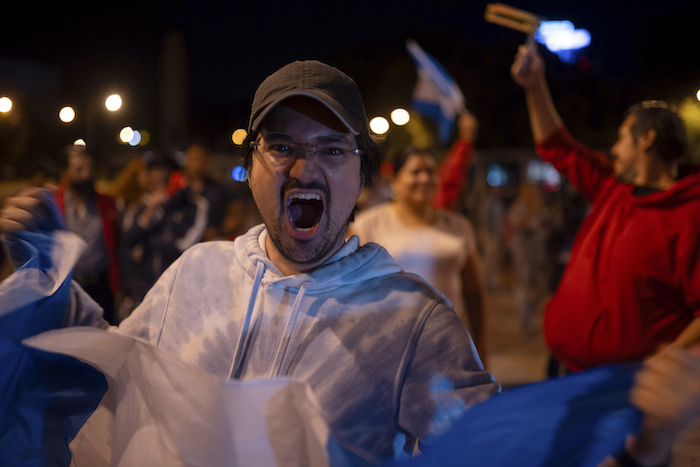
[(671, 142)]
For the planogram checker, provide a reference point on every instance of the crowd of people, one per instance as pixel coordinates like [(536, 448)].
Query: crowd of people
[(136, 225), (397, 308)]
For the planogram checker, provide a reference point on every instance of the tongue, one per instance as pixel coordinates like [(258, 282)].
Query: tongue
[(303, 216)]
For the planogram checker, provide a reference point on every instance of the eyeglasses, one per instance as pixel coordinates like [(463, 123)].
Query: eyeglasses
[(330, 155)]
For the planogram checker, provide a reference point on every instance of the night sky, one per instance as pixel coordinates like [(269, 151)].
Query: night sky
[(67, 51)]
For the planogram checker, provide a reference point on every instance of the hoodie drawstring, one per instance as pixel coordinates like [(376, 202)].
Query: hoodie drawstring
[(244, 338), (291, 322)]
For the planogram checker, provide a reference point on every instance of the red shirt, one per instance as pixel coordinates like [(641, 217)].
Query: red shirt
[(633, 278)]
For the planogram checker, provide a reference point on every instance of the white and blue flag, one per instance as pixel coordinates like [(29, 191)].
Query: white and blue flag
[(436, 94)]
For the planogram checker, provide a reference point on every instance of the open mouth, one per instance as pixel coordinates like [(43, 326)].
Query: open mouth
[(304, 210)]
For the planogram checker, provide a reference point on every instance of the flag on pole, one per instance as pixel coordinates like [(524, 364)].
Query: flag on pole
[(436, 94)]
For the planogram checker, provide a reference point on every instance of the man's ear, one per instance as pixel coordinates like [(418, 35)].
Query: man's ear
[(647, 139)]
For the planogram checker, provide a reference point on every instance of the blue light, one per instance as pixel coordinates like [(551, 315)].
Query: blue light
[(239, 174), (559, 36), (496, 176)]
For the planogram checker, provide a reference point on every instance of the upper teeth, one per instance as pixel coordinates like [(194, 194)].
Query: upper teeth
[(305, 196)]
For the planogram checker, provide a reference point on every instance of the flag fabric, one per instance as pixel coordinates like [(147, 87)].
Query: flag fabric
[(159, 410), (88, 396), (44, 397), (576, 421), (436, 94)]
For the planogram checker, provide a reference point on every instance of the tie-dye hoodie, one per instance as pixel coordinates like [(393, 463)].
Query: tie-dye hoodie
[(382, 350)]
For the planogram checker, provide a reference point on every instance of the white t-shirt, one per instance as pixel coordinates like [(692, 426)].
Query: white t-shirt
[(437, 252)]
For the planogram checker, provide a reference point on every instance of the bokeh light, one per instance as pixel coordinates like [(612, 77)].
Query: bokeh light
[(66, 114), (400, 116), (79, 142), (5, 104), (239, 136), (113, 102), (379, 125), (697, 94), (126, 134), (145, 137), (135, 139), (239, 174)]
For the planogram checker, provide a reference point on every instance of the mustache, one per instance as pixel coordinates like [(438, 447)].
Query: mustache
[(296, 184)]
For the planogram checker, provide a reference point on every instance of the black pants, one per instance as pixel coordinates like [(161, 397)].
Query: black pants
[(97, 286)]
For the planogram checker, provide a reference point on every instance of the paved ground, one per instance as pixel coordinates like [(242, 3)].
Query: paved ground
[(513, 357)]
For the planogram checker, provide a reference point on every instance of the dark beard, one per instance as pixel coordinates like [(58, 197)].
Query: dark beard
[(83, 189), (304, 251)]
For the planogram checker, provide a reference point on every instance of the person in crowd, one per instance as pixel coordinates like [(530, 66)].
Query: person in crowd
[(491, 235), (164, 226), (198, 162), (130, 189), (438, 245), (93, 216), (384, 354), (529, 225), (632, 282)]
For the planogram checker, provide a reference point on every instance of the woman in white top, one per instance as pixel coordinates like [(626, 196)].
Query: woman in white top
[(438, 245)]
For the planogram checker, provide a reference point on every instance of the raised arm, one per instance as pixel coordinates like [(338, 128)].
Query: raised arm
[(528, 72), (454, 169)]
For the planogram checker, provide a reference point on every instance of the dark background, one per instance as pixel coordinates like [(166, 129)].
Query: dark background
[(59, 53)]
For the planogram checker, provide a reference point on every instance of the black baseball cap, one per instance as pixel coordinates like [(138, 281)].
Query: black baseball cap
[(311, 78)]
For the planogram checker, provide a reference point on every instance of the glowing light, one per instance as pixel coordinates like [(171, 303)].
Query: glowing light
[(5, 104), (145, 137), (697, 94), (239, 174), (239, 136), (126, 134), (379, 125), (544, 174), (135, 139), (559, 36), (79, 142), (66, 114), (400, 116), (113, 102), (496, 176)]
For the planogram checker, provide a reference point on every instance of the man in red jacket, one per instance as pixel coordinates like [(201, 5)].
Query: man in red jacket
[(633, 280), (93, 217)]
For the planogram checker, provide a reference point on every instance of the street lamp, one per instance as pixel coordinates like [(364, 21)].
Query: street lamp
[(379, 125), (5, 104), (113, 102), (400, 116), (66, 114)]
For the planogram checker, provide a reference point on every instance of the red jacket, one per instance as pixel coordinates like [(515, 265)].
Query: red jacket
[(108, 212), (633, 278)]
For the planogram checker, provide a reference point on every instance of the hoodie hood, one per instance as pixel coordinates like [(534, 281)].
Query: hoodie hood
[(349, 265), (687, 188)]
